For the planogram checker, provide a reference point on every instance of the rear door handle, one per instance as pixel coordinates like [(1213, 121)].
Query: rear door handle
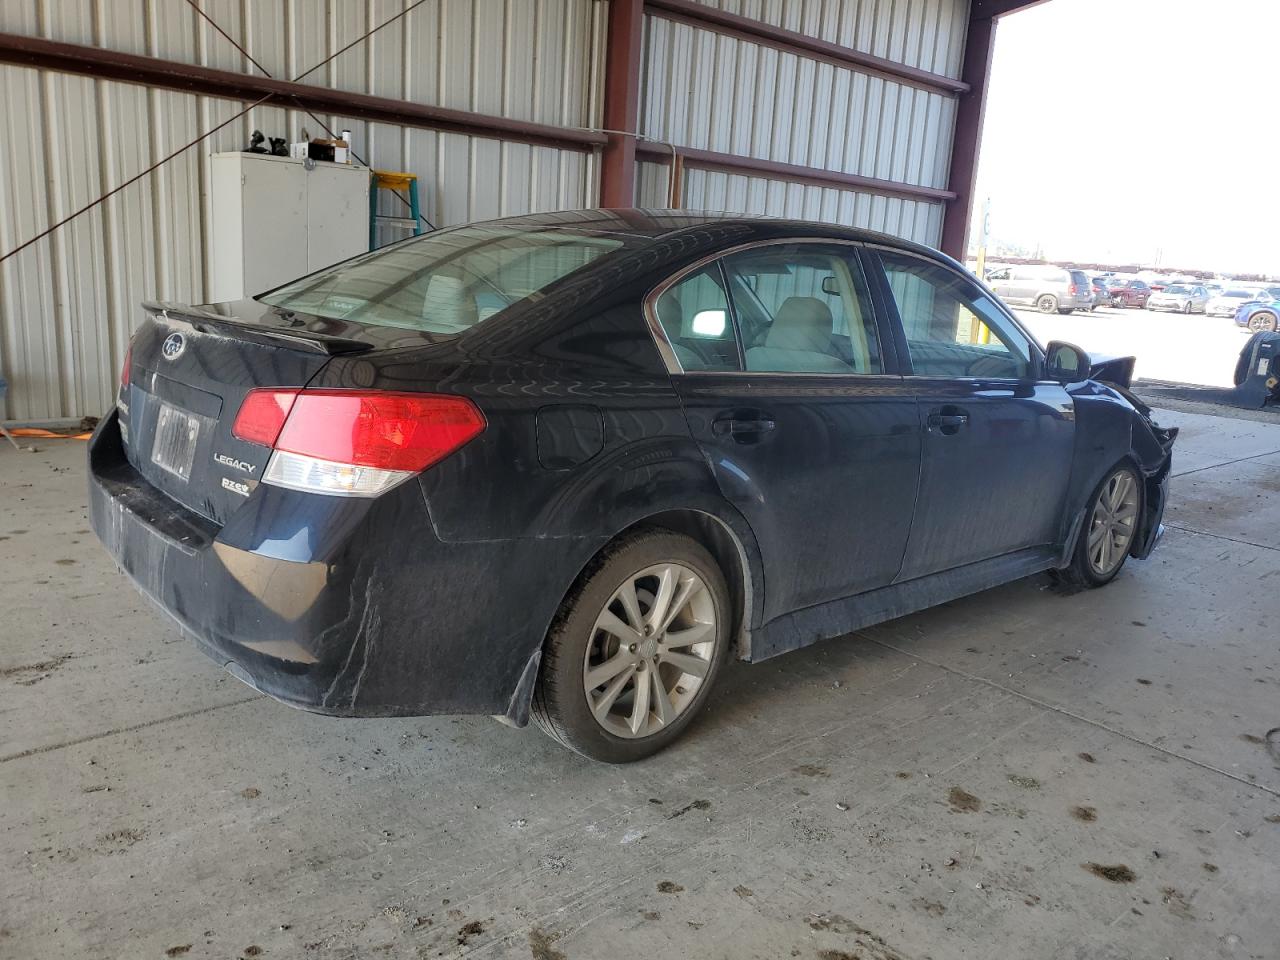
[(742, 427)]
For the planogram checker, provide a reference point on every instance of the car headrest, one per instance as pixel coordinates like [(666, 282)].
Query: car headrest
[(802, 323)]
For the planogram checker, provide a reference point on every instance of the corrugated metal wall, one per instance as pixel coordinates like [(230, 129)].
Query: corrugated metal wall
[(913, 219), (68, 303), (713, 92)]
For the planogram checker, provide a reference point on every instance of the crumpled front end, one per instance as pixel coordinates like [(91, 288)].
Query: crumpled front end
[(1153, 450)]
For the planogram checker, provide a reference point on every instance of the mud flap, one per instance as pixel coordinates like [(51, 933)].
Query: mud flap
[(517, 714)]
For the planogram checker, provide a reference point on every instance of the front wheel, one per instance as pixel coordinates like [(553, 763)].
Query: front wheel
[(636, 648), (1111, 523), (1264, 321), (1187, 307)]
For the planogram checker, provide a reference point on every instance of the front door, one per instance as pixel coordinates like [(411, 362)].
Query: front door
[(998, 444), (787, 391)]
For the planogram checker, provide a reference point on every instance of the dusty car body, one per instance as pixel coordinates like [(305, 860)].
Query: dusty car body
[(847, 427)]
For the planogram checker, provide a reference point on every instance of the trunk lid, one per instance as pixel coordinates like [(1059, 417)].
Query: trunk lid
[(190, 369)]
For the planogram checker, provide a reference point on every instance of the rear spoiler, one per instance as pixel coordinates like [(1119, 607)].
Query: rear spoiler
[(297, 337)]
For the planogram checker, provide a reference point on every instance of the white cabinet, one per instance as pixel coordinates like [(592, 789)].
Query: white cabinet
[(274, 220)]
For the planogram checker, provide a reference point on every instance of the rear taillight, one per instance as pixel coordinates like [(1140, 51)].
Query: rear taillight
[(262, 415), (128, 362), (1072, 290), (354, 443)]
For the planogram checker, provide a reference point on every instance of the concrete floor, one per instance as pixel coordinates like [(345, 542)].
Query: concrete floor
[(932, 788)]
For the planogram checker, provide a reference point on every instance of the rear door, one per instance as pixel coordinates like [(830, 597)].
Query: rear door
[(997, 444), (793, 397)]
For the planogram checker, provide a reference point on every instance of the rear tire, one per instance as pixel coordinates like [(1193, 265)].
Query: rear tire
[(1110, 526), (654, 677), (1047, 304)]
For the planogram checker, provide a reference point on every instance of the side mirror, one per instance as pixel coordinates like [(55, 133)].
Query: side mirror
[(1065, 362)]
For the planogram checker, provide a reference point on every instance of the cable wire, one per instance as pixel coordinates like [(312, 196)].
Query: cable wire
[(208, 133)]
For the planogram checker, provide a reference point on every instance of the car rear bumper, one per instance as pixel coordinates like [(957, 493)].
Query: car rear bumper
[(335, 605)]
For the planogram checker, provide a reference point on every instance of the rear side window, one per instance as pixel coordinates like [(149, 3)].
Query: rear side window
[(694, 314), (445, 282), (953, 329), (803, 308)]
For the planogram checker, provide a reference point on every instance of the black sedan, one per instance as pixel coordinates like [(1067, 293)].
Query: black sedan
[(566, 465)]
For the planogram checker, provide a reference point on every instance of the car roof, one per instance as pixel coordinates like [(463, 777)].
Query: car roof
[(657, 225)]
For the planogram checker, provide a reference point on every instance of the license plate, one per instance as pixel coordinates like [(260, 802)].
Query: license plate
[(174, 448)]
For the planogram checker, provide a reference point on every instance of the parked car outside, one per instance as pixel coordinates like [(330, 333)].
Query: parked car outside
[(1128, 292), (1101, 296), (1044, 286), (1228, 301), (1180, 297), (368, 493), (1259, 316)]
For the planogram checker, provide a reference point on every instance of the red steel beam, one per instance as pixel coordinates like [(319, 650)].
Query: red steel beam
[(971, 109), (190, 78), (800, 44), (990, 9), (621, 102), (790, 172)]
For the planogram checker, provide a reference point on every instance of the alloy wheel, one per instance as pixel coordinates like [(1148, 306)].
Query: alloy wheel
[(1113, 523), (650, 650), (1262, 322)]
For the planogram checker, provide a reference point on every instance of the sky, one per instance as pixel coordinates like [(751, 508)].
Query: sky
[(1137, 131)]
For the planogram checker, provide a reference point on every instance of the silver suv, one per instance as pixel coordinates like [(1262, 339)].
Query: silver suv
[(1046, 287)]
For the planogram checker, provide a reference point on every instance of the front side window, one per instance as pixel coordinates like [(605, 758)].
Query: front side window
[(445, 282), (694, 314), (953, 329), (803, 308)]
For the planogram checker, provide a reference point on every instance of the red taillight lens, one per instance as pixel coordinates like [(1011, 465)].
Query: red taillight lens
[(365, 428), (1072, 289), (262, 415), (387, 431), (128, 362)]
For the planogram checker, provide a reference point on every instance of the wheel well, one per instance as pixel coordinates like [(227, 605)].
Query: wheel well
[(725, 549)]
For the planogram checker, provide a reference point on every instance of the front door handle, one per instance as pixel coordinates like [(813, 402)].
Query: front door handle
[(742, 429), (947, 420)]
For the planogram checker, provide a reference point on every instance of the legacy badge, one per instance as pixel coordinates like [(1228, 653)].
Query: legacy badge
[(234, 464)]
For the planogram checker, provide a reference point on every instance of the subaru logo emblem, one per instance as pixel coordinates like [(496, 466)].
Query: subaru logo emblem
[(174, 344)]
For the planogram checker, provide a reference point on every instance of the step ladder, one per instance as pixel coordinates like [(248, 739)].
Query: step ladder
[(397, 182)]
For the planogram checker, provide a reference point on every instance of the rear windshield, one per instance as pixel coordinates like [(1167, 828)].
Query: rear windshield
[(1242, 294), (445, 282)]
